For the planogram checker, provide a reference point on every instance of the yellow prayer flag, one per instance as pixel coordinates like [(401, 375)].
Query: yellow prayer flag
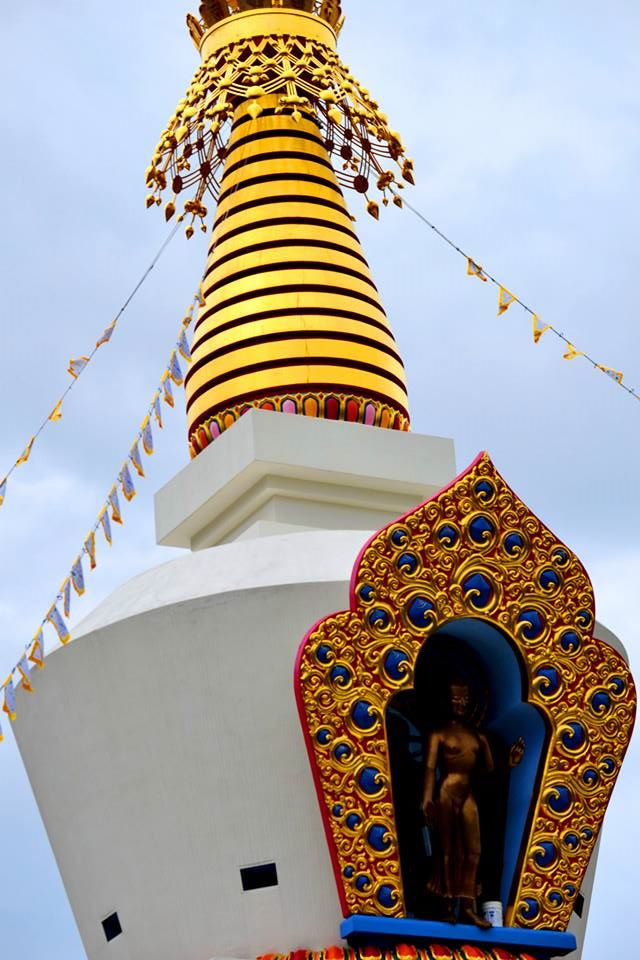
[(56, 413), (9, 706), (572, 353), (106, 334), (25, 673), (474, 270), (505, 299), (37, 650), (77, 366), (3, 491), (538, 331), (90, 549), (614, 374), (27, 453)]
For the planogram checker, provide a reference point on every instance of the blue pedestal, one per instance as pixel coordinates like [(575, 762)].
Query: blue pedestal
[(386, 931)]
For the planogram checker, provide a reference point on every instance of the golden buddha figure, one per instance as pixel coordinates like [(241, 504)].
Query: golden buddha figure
[(455, 754)]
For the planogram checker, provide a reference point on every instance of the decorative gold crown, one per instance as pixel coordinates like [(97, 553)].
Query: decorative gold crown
[(212, 11)]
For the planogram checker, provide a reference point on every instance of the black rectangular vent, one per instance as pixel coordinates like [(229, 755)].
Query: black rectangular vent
[(578, 907), (257, 878), (112, 927)]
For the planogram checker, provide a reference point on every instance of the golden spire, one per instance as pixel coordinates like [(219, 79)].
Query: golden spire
[(291, 318)]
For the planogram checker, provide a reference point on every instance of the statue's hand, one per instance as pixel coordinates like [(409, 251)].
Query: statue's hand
[(429, 809), (517, 752)]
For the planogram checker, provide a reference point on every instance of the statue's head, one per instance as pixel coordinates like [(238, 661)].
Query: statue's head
[(459, 699)]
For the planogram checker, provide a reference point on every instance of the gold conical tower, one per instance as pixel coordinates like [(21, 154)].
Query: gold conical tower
[(290, 319)]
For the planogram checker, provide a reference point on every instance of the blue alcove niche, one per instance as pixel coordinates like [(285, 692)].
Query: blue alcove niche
[(481, 654)]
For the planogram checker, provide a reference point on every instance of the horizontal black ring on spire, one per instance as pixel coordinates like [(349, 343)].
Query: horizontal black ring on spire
[(289, 265), (280, 222), (286, 335), (276, 245), (360, 365)]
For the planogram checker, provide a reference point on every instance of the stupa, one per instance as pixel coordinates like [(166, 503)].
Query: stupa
[(218, 776)]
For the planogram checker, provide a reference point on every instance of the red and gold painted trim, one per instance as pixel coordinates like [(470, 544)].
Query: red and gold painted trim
[(325, 406), (433, 951)]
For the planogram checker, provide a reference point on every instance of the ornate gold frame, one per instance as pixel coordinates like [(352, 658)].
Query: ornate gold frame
[(474, 550)]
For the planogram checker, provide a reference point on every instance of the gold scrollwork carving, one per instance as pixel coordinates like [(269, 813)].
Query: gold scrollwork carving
[(474, 550)]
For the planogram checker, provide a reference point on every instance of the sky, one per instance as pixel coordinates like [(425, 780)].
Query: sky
[(522, 121)]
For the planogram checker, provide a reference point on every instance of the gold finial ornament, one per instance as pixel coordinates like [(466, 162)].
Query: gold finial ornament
[(253, 48), (274, 127)]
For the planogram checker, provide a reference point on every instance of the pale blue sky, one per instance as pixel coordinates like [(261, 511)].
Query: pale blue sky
[(522, 120)]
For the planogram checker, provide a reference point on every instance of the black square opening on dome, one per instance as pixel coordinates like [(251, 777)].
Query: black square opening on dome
[(258, 877), (112, 927)]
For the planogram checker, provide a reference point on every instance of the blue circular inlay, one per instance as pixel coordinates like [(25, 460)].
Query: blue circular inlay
[(448, 535), (530, 908), (560, 799), (584, 618), (570, 889), (549, 580), (550, 681), (399, 538), (363, 883), (323, 737), (590, 777), (370, 780), (337, 810), (342, 752), (601, 703), (386, 896), (394, 664), (608, 765), (407, 563), (617, 685), (575, 738), (546, 855), (379, 618), (534, 624), (378, 838), (570, 641), (340, 675), (419, 612), (484, 490), (555, 898), (571, 840), (514, 544), (367, 593), (587, 833), (353, 821), (481, 530), (348, 872), (560, 556), (478, 590), (362, 716)]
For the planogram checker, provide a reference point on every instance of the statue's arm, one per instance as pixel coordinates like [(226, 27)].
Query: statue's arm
[(486, 753), (430, 773)]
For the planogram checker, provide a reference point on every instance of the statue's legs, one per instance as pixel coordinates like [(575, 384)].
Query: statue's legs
[(469, 889)]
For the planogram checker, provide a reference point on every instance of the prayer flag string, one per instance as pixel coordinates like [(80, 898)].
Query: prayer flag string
[(110, 512), (77, 367), (506, 299)]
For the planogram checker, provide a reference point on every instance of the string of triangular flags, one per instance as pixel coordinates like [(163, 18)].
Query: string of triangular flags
[(506, 299), (110, 513), (77, 367)]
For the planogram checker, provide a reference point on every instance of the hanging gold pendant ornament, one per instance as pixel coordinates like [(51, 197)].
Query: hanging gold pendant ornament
[(257, 49)]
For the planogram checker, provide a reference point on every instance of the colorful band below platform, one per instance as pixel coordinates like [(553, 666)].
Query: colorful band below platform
[(493, 942), (327, 406), (434, 951)]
